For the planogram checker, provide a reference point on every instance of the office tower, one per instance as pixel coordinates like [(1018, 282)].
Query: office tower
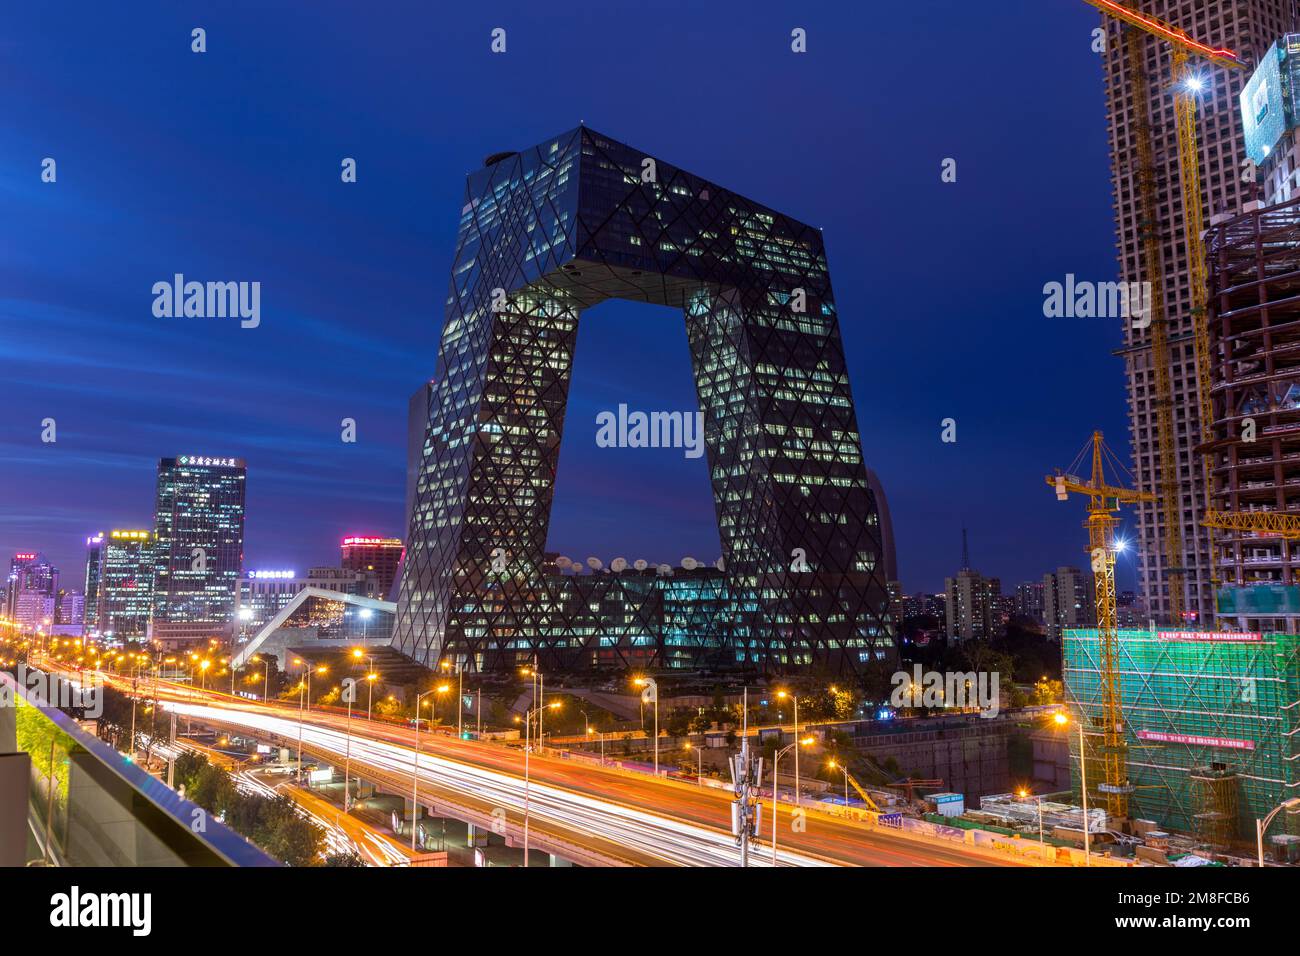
[(380, 556), (125, 592), (95, 544), (70, 609), (556, 229), (32, 590), (198, 547), (1247, 27), (1069, 600)]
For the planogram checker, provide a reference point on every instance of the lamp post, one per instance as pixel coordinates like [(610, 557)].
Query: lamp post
[(699, 763), (776, 763), (650, 692), (1061, 720), (371, 677), (415, 777), (844, 770), (1290, 806), (795, 697), (528, 723), (1042, 845), (365, 614)]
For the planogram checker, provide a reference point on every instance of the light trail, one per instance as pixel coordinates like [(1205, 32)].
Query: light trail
[(671, 841)]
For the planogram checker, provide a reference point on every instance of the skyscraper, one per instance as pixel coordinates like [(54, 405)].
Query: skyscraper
[(124, 599), (94, 572), (198, 547), (559, 228), (1247, 27)]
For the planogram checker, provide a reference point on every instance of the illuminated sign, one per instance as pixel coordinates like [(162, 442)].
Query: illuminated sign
[(25, 556), (1211, 637), (210, 462), (1196, 740), (385, 542), (271, 575), (131, 535)]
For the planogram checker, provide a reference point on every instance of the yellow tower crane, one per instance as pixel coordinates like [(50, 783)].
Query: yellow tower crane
[(1104, 499), (1186, 84)]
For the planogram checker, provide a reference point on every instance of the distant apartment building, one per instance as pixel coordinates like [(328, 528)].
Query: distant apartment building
[(972, 606), (199, 548), (1068, 600), (1247, 27), (1029, 601)]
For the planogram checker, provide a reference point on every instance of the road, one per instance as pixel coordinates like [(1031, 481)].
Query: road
[(629, 818)]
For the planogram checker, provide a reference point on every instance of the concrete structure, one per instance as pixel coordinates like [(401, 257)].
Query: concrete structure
[(1254, 322), (1247, 27)]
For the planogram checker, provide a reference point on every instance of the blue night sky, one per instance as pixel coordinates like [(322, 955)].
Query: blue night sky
[(225, 166)]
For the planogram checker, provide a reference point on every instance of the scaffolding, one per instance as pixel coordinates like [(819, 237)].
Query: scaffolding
[(1211, 723)]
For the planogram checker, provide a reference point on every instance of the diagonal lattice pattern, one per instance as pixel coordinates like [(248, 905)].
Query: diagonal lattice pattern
[(545, 234)]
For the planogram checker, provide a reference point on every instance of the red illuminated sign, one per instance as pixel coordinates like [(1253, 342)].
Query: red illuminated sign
[(25, 556), (1211, 637), (1196, 740)]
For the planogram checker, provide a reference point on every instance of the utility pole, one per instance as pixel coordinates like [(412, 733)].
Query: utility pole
[(746, 811)]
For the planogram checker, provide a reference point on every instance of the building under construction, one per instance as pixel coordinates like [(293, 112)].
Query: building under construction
[(1254, 316), (1211, 724)]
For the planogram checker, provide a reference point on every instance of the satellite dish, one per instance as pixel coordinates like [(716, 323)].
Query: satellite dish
[(563, 562), (594, 564), (618, 565), (720, 564), (665, 570), (690, 564), (640, 564)]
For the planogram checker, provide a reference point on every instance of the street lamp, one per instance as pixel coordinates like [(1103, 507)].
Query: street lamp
[(650, 692), (776, 763), (1290, 806), (1061, 720), (365, 614), (1042, 846), (782, 695), (371, 677), (415, 777), (699, 763), (528, 723), (844, 770)]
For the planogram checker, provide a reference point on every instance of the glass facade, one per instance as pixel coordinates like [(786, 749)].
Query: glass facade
[(199, 547), (125, 591), (545, 234)]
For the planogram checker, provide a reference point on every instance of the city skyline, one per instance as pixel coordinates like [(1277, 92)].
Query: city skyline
[(351, 289)]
